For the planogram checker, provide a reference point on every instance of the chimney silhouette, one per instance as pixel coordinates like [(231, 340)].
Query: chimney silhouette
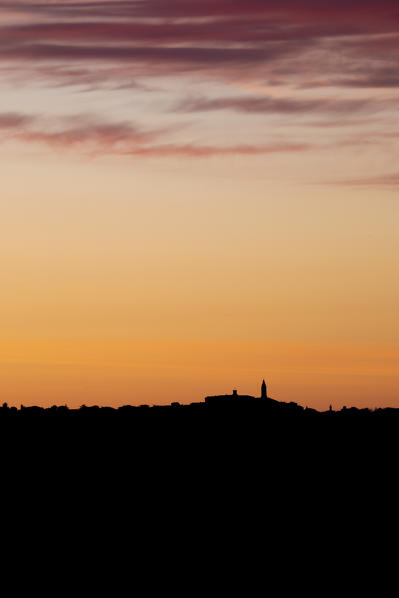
[(263, 394)]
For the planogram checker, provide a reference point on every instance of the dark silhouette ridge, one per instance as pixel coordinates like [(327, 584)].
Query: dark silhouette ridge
[(224, 405), (234, 435)]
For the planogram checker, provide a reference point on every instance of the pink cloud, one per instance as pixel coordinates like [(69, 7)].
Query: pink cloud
[(113, 44), (13, 120), (97, 138), (195, 151)]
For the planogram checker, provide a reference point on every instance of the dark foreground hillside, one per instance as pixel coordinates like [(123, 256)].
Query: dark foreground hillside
[(203, 445), (228, 422)]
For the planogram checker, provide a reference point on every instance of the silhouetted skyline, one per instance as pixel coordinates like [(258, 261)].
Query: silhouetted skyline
[(228, 404)]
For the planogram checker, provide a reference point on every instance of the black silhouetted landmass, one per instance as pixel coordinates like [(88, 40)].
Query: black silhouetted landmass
[(231, 405), (232, 434)]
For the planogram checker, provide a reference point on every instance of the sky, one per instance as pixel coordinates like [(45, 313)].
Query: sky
[(196, 195)]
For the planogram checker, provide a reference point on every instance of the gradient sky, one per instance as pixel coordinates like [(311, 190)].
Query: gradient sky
[(196, 195)]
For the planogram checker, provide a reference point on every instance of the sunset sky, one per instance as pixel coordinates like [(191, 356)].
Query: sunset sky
[(197, 194)]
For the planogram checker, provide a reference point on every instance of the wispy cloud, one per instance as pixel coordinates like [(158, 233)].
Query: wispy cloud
[(280, 105), (94, 137), (382, 180), (336, 41), (309, 58), (12, 120)]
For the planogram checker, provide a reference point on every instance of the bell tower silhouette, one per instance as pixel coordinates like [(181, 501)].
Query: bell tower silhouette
[(263, 394)]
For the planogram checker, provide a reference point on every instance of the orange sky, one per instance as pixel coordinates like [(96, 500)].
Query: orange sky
[(171, 234)]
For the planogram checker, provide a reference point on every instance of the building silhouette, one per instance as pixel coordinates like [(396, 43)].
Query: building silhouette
[(237, 398), (263, 391)]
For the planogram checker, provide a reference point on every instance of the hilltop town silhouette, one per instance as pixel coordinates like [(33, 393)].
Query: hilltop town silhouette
[(224, 405)]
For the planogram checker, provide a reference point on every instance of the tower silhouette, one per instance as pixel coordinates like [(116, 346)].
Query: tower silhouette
[(263, 394)]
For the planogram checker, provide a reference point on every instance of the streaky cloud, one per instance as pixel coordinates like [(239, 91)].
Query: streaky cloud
[(280, 105), (383, 180), (125, 139)]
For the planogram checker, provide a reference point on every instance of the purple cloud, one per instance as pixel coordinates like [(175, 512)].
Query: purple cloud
[(297, 39)]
